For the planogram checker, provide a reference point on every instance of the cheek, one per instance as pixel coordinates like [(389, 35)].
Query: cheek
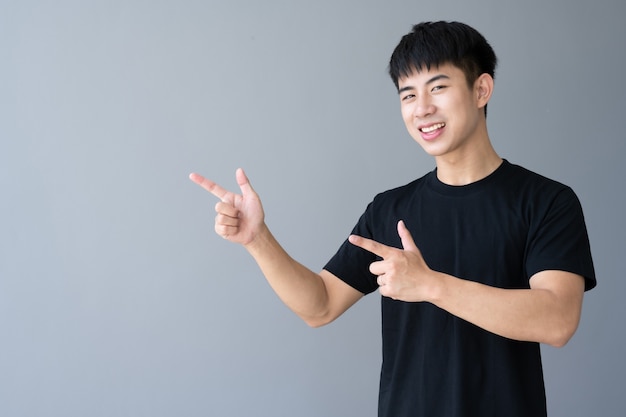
[(407, 114)]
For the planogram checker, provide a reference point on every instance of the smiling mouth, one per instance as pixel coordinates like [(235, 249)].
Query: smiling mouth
[(432, 128)]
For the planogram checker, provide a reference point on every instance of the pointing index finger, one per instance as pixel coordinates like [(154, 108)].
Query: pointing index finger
[(209, 185), (370, 245)]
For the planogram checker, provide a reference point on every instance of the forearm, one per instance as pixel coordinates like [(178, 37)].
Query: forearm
[(543, 314), (301, 289)]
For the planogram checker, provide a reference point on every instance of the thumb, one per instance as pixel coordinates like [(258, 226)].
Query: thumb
[(244, 183), (405, 236)]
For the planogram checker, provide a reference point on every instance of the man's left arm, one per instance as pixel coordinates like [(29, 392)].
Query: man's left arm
[(548, 312)]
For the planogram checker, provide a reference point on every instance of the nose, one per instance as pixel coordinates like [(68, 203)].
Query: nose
[(424, 106)]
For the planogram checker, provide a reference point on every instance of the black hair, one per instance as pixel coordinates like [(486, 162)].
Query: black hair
[(431, 44)]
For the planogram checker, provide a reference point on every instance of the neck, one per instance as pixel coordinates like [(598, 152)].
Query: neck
[(467, 168)]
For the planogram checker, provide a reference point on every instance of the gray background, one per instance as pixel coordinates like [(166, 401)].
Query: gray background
[(116, 297)]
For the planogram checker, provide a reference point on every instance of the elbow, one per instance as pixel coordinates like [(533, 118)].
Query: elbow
[(560, 336), (315, 322), (318, 320), (557, 342)]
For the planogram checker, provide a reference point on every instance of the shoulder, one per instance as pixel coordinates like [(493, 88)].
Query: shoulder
[(525, 177), (404, 191), (549, 207), (386, 208), (533, 187)]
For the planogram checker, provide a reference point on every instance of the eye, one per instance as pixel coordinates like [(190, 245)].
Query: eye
[(438, 88), (408, 97)]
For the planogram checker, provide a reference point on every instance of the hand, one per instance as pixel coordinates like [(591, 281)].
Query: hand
[(403, 273), (240, 217)]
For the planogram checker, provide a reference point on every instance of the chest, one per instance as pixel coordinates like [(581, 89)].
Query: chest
[(481, 238)]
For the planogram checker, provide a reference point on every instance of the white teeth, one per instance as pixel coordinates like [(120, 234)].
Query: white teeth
[(432, 128)]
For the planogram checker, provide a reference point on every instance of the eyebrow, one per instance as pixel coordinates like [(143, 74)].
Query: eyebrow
[(430, 81)]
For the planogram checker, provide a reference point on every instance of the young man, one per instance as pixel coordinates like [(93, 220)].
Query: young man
[(477, 262)]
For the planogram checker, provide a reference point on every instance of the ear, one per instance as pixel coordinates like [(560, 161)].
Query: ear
[(483, 88)]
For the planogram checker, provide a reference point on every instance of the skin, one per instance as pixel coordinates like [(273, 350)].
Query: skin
[(548, 312), (316, 298)]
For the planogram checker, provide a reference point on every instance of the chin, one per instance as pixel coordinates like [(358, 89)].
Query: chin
[(432, 149)]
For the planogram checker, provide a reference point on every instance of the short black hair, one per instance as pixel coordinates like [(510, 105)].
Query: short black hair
[(431, 44)]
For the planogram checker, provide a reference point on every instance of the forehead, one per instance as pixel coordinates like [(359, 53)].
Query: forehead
[(423, 76)]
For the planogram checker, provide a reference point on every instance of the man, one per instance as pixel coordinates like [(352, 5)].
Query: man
[(477, 262)]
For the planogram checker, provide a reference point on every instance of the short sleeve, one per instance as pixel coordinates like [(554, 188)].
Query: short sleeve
[(351, 263), (558, 238)]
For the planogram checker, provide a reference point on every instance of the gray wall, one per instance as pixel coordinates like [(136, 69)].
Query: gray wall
[(116, 298)]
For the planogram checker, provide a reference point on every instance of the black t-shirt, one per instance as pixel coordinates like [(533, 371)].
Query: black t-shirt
[(498, 231)]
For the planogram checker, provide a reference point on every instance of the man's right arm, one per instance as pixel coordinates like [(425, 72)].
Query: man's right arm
[(317, 299)]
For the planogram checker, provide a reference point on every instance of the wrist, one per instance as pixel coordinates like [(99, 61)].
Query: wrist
[(259, 240), (438, 287)]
